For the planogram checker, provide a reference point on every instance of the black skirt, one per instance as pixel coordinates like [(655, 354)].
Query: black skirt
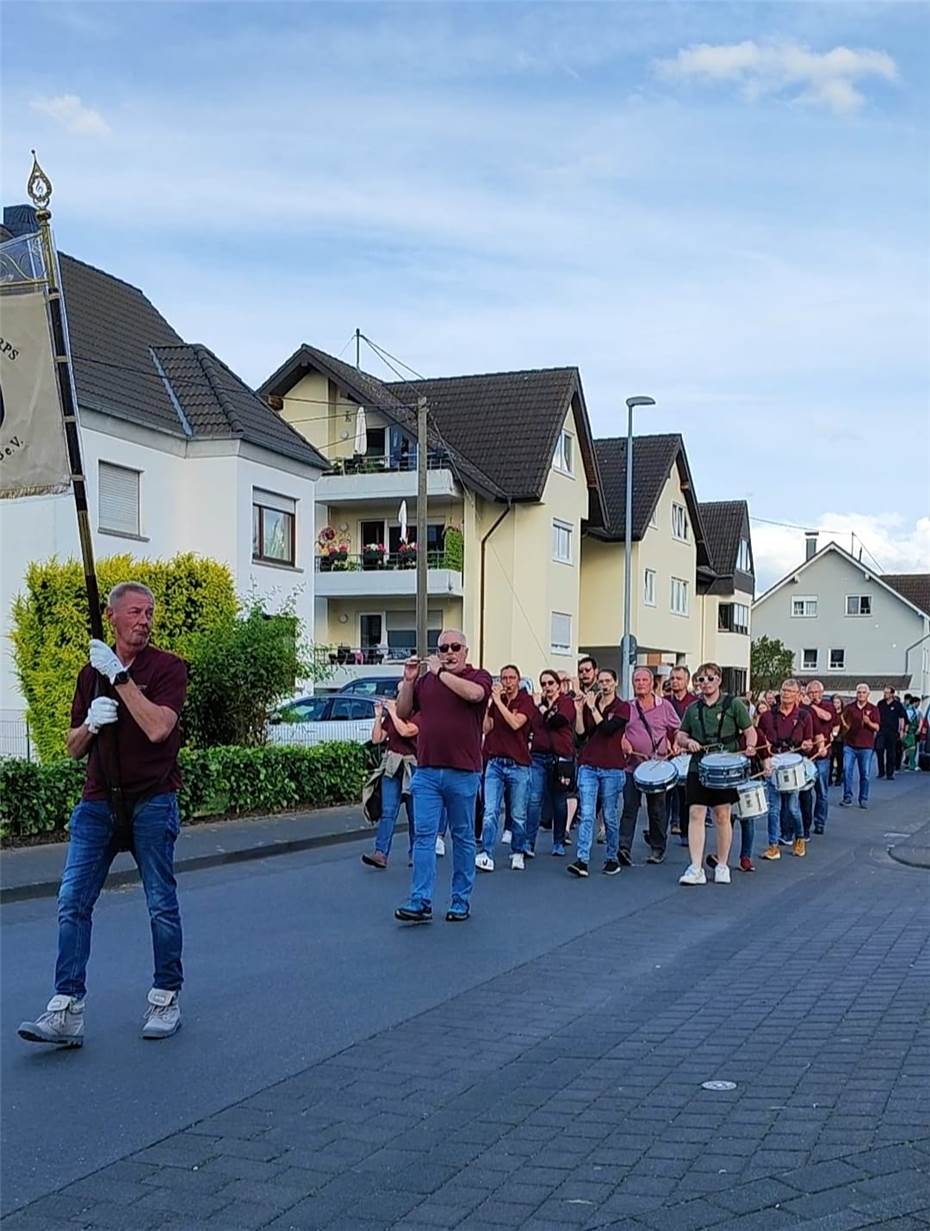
[(695, 793)]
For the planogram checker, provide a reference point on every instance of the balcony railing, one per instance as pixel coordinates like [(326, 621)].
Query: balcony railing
[(436, 459), (364, 656), (346, 562)]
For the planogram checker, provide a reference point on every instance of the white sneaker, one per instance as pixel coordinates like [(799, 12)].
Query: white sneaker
[(61, 1023), (440, 846), (693, 876), (516, 862), (506, 837), (721, 874), (483, 862), (163, 1015)]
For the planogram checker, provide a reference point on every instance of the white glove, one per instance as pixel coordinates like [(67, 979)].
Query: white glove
[(102, 711), (104, 660)]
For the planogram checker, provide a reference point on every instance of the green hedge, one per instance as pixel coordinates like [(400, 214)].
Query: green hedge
[(37, 798)]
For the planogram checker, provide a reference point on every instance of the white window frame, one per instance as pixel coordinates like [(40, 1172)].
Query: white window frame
[(832, 665), (654, 519), (678, 585), (137, 476), (563, 460), (558, 646), (810, 666), (858, 598), (803, 598), (744, 557), (649, 587), (679, 514), (562, 532)]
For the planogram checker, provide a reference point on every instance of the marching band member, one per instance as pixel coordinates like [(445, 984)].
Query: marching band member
[(600, 719), (785, 728), (649, 733)]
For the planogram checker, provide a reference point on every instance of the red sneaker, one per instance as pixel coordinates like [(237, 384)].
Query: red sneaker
[(746, 864)]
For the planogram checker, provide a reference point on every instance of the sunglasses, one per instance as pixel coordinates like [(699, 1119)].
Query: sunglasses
[(705, 679), (451, 647)]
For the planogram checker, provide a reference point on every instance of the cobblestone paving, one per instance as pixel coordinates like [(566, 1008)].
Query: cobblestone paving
[(567, 1093)]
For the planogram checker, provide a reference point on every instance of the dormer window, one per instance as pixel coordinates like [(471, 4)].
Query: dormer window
[(563, 459)]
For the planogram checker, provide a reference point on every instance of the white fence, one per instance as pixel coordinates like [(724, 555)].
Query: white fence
[(14, 736)]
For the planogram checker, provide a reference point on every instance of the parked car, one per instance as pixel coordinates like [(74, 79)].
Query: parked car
[(313, 720), (373, 686)]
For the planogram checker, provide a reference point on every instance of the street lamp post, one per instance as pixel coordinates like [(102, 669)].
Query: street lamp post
[(625, 690)]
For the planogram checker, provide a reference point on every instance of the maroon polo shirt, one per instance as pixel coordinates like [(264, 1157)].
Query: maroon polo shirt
[(450, 728), (681, 704), (823, 726), (502, 740), (602, 749), (143, 766), (394, 741), (857, 734), (558, 739), (786, 732)]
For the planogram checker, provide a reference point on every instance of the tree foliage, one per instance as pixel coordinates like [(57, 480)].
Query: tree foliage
[(770, 663)]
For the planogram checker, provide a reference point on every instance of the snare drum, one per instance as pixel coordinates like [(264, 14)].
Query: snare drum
[(682, 764), (752, 801), (810, 774), (655, 777), (722, 771), (788, 772)]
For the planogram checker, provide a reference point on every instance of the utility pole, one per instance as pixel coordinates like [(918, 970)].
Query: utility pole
[(626, 642), (422, 531)]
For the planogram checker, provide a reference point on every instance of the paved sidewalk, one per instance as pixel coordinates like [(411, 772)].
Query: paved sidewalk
[(568, 1091), (34, 871)]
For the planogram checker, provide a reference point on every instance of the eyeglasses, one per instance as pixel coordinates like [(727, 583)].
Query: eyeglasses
[(451, 647), (705, 679)]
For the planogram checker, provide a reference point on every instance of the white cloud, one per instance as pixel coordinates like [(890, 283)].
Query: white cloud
[(824, 78), (73, 116), (889, 543)]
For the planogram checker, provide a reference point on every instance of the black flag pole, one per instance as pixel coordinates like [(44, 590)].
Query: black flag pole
[(39, 188)]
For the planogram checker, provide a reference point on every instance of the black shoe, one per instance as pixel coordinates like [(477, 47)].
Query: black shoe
[(578, 868), (406, 914), (889, 778), (818, 829), (626, 858), (457, 916), (656, 856), (611, 868)]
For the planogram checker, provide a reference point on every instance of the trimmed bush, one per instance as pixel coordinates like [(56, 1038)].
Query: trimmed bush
[(50, 631), (38, 798)]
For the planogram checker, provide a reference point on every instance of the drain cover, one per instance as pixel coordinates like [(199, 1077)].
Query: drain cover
[(718, 1085)]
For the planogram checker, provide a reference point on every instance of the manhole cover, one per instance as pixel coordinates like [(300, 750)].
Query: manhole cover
[(718, 1085)]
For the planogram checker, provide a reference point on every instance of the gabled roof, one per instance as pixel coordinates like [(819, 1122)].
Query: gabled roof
[(879, 578), (653, 460), (724, 521), (464, 413), (915, 587)]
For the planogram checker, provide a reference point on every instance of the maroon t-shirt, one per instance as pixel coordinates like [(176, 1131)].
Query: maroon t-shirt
[(823, 726), (857, 734), (786, 732), (601, 748), (395, 742), (502, 740), (143, 766), (559, 739), (450, 728), (681, 704)]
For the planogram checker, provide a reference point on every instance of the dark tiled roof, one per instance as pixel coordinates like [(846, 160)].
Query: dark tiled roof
[(846, 684), (116, 334), (915, 587), (723, 525)]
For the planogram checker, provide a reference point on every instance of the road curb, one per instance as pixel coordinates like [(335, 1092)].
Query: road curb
[(49, 889), (911, 856)]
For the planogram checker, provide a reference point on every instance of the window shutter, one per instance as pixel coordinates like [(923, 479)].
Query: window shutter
[(271, 500), (118, 499)]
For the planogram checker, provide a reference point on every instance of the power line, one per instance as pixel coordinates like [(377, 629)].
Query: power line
[(854, 534)]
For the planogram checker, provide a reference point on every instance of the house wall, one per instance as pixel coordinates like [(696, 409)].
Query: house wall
[(726, 649), (875, 644), (324, 416), (194, 496)]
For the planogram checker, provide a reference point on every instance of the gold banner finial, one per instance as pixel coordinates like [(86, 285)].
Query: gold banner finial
[(39, 185)]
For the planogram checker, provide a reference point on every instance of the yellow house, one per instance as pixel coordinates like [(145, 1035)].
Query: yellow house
[(683, 579), (513, 484)]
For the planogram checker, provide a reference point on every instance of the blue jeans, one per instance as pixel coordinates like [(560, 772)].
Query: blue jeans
[(602, 787), (541, 789), (391, 796), (434, 791), (747, 834), (504, 778), (861, 759), (91, 850), (787, 804), (822, 793)]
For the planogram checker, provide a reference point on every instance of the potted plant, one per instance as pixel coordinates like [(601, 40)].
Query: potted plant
[(373, 555), (407, 555)]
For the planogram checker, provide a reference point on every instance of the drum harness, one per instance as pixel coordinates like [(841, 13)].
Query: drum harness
[(787, 743), (724, 710), (652, 738)]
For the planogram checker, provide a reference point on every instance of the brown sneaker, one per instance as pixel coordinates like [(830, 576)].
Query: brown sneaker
[(771, 852), (799, 848), (375, 860)]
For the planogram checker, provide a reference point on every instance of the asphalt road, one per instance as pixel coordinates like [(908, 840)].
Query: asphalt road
[(293, 959)]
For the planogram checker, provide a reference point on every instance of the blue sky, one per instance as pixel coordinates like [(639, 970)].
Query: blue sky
[(721, 205)]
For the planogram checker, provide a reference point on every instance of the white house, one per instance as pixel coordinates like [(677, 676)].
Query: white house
[(847, 624), (179, 453)]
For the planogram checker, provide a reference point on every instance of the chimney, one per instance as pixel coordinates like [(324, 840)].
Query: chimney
[(810, 544)]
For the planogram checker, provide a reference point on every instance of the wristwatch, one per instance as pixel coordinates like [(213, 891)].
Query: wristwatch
[(121, 677)]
